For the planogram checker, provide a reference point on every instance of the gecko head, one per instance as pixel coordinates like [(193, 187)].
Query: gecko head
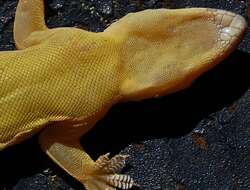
[(164, 50)]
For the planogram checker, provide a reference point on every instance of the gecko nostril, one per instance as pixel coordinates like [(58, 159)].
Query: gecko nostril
[(229, 20), (230, 25), (231, 31), (233, 28), (238, 23)]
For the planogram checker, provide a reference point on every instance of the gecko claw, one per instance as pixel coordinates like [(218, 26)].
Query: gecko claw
[(105, 174)]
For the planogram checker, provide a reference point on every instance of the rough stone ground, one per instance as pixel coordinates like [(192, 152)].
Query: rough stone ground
[(195, 139)]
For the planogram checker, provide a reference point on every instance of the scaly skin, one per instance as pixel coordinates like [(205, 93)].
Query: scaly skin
[(64, 80)]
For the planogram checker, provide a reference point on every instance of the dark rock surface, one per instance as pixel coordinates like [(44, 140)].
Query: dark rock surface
[(195, 139)]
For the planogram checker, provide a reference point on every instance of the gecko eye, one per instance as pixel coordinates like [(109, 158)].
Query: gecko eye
[(166, 50)]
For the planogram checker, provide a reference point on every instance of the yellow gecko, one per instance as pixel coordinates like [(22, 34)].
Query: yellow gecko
[(61, 81)]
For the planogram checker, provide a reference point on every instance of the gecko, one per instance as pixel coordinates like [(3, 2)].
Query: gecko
[(61, 81)]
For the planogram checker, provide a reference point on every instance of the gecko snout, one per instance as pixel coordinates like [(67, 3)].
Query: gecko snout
[(231, 27)]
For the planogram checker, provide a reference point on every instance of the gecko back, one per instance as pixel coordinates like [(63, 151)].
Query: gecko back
[(61, 78)]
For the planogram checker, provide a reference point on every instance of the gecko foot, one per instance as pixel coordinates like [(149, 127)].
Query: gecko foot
[(105, 177)]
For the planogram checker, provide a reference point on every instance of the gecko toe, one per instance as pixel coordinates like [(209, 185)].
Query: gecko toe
[(105, 176)]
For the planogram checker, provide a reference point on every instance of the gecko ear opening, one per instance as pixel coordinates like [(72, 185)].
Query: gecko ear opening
[(165, 50)]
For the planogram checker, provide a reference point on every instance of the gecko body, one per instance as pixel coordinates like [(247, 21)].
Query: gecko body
[(61, 81)]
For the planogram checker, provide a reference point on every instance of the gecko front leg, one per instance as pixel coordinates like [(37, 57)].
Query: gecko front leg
[(61, 141)]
